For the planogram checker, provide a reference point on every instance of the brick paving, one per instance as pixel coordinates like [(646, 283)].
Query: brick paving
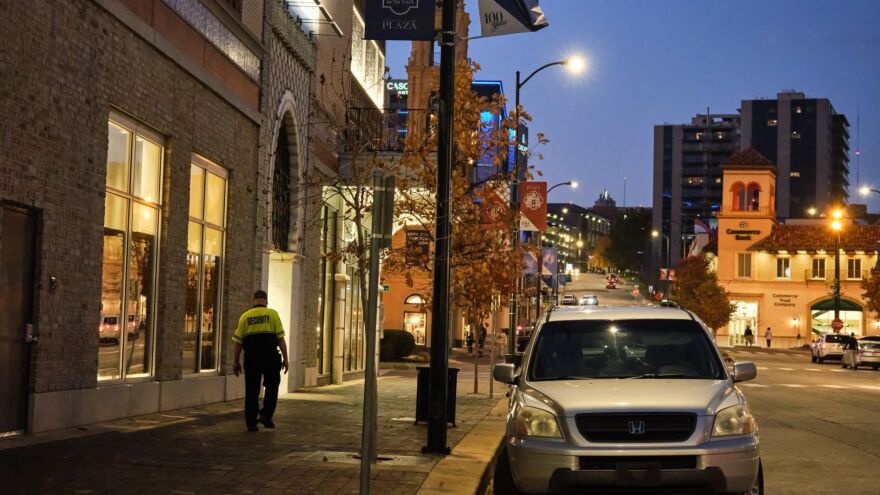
[(206, 450)]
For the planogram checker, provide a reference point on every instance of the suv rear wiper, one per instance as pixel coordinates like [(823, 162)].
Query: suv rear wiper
[(659, 375)]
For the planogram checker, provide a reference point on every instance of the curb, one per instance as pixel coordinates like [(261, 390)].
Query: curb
[(468, 468)]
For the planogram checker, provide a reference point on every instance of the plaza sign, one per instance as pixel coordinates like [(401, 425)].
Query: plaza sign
[(399, 20)]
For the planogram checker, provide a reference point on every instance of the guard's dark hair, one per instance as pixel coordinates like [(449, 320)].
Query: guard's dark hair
[(260, 294)]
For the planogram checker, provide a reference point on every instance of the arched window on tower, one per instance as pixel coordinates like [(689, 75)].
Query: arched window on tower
[(738, 196), (753, 193)]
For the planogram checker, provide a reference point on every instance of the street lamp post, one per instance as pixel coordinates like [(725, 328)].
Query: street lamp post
[(668, 262), (576, 65), (574, 185), (836, 225)]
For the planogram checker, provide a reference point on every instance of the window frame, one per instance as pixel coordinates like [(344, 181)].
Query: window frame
[(740, 256), (218, 170), (850, 274), (785, 263), (136, 130), (814, 274)]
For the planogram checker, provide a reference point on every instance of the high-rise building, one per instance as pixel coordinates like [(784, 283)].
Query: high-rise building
[(687, 177), (809, 143)]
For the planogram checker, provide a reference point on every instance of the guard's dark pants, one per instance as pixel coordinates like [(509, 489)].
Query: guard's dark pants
[(260, 367)]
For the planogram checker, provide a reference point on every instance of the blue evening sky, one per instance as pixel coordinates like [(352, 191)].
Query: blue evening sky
[(652, 61)]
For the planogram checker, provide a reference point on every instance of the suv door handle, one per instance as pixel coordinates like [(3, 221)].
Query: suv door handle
[(29, 336)]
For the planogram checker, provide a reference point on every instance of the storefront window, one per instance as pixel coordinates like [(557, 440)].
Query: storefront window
[(131, 235), (416, 324), (204, 266), (823, 315), (745, 315)]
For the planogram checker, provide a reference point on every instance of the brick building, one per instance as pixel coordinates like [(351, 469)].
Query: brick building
[(161, 159)]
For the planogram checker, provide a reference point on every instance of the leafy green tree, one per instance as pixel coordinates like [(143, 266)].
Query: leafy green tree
[(697, 289)]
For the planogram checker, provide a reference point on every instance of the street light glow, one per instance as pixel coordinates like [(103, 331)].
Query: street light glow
[(837, 214), (865, 190), (812, 211), (836, 225), (574, 184), (575, 64), (654, 233)]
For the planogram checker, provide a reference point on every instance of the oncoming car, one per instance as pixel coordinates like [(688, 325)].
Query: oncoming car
[(626, 398)]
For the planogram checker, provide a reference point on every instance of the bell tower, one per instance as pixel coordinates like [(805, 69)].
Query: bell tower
[(748, 209)]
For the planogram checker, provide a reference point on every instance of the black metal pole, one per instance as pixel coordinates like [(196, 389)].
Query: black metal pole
[(837, 276), (668, 262), (514, 241), (440, 301)]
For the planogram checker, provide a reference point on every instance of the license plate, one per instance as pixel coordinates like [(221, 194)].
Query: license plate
[(638, 474)]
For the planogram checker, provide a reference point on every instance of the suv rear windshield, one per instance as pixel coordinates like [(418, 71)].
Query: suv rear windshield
[(836, 338), (624, 349)]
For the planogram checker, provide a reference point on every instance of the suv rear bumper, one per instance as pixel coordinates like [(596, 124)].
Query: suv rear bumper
[(729, 465)]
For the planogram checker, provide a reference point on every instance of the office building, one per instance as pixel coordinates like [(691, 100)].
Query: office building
[(809, 143)]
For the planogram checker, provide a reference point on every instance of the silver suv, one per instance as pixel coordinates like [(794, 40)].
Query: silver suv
[(626, 398)]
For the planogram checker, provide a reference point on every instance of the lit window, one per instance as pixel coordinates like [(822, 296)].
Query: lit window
[(818, 268), (795, 135), (783, 268), (744, 265), (772, 122), (204, 265), (795, 174), (131, 240), (798, 109), (718, 180), (854, 268), (698, 136), (719, 136)]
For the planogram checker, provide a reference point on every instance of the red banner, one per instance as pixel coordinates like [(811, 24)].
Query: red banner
[(533, 206)]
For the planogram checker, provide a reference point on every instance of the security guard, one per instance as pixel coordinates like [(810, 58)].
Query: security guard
[(261, 334)]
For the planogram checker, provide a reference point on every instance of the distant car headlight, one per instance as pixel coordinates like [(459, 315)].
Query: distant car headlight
[(534, 422), (734, 420)]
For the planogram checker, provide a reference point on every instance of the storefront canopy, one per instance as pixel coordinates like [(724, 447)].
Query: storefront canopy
[(828, 305)]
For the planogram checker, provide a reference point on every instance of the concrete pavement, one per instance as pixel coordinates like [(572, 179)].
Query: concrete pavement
[(206, 450)]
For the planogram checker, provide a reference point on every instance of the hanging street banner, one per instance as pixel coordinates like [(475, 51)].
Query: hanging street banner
[(500, 17), (418, 247), (530, 263), (496, 202), (549, 266), (533, 206), (399, 20)]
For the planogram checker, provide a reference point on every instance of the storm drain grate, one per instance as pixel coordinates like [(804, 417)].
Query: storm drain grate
[(385, 460)]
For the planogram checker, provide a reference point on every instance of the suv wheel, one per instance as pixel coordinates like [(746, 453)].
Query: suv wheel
[(758, 487), (820, 359), (502, 483)]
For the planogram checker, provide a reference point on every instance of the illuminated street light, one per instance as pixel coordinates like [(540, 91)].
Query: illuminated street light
[(837, 214), (812, 211), (865, 190), (575, 64), (836, 226)]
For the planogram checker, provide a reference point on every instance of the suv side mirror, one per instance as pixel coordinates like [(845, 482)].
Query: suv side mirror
[(743, 372), (504, 373)]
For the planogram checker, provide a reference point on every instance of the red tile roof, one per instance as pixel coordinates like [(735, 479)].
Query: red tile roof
[(816, 237), (749, 158)]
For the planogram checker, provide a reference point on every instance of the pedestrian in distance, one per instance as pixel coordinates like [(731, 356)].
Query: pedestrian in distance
[(469, 342), (484, 330), (260, 334), (768, 336), (750, 337)]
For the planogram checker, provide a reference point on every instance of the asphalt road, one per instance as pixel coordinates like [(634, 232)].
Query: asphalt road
[(591, 283)]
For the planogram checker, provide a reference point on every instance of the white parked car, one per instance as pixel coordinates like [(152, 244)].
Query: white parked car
[(632, 399)]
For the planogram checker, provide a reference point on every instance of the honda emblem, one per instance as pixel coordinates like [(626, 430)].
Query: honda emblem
[(636, 427)]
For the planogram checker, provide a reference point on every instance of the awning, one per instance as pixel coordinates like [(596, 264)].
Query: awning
[(828, 305)]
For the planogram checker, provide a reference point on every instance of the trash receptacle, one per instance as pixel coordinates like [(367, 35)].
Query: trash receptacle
[(423, 395)]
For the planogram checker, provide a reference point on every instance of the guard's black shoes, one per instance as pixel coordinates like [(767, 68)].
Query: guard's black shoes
[(253, 428), (267, 422)]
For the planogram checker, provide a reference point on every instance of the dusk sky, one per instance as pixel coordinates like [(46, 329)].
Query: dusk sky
[(652, 62)]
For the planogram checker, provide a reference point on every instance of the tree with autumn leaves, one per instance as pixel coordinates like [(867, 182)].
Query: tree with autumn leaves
[(697, 289), (483, 266), (871, 286)]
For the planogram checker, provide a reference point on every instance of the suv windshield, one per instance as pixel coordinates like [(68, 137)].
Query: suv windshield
[(574, 349)]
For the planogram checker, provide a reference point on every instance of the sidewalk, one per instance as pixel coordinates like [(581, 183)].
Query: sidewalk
[(206, 450)]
